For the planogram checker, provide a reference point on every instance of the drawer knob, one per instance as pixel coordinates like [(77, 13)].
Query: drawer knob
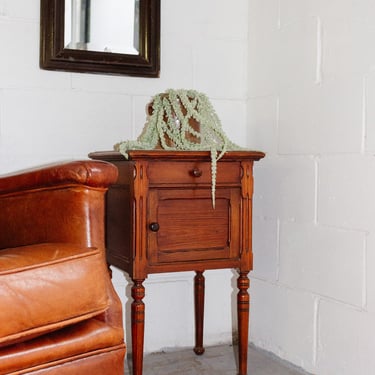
[(154, 227), (196, 172)]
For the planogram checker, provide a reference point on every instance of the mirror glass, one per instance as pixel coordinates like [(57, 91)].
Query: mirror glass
[(101, 36), (110, 26)]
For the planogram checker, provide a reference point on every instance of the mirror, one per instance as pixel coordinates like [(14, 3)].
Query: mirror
[(101, 36), (102, 25)]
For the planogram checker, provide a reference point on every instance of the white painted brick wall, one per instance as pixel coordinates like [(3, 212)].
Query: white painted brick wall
[(346, 191), (346, 340), (311, 108), (285, 188), (309, 257), (266, 248), (283, 321), (313, 118), (50, 116), (301, 75)]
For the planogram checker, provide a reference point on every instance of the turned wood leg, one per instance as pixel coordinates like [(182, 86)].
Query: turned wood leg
[(243, 305), (199, 311), (138, 325)]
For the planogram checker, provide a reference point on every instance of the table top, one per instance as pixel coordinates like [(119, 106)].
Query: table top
[(175, 155)]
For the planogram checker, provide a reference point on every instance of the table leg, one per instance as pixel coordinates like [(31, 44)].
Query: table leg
[(138, 325), (199, 282), (243, 305)]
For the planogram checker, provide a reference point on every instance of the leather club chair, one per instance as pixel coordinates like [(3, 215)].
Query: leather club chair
[(59, 313)]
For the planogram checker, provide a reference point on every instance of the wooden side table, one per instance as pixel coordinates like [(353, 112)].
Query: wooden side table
[(160, 218)]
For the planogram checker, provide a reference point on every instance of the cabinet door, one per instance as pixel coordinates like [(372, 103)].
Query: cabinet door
[(183, 226)]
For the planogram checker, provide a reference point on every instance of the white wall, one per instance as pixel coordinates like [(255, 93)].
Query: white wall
[(301, 75), (311, 108), (51, 116)]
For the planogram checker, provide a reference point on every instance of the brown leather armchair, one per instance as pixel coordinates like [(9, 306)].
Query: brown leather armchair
[(59, 313)]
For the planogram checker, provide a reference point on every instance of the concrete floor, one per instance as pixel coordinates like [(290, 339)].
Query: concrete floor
[(218, 360)]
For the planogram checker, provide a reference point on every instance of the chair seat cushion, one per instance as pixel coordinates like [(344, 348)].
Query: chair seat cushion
[(83, 339), (45, 287)]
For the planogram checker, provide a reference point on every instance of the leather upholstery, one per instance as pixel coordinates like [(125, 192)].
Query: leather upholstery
[(59, 313)]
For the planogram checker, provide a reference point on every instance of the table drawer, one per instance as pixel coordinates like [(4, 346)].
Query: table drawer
[(176, 172)]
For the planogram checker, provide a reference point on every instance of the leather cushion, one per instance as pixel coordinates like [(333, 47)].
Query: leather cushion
[(65, 345), (47, 286)]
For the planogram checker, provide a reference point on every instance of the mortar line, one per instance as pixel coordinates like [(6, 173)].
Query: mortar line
[(278, 250), (364, 115), (316, 192), (364, 277), (319, 52), (316, 331)]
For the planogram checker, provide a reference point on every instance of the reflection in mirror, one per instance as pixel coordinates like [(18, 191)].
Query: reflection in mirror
[(102, 25), (101, 36)]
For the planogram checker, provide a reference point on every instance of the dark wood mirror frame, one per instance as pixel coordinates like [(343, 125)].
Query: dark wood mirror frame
[(53, 55)]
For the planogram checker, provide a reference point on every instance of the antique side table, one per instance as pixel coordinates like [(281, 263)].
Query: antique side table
[(160, 218)]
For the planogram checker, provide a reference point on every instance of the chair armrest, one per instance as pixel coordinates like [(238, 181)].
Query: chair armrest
[(58, 203), (90, 173)]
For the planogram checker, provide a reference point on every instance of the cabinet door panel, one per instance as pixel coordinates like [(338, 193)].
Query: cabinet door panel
[(189, 228)]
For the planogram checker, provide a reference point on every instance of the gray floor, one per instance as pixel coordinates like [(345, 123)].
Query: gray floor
[(218, 360)]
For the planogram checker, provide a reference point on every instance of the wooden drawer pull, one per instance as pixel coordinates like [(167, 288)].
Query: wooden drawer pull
[(196, 172)]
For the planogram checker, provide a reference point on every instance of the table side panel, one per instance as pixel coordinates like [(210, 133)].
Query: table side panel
[(119, 222)]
